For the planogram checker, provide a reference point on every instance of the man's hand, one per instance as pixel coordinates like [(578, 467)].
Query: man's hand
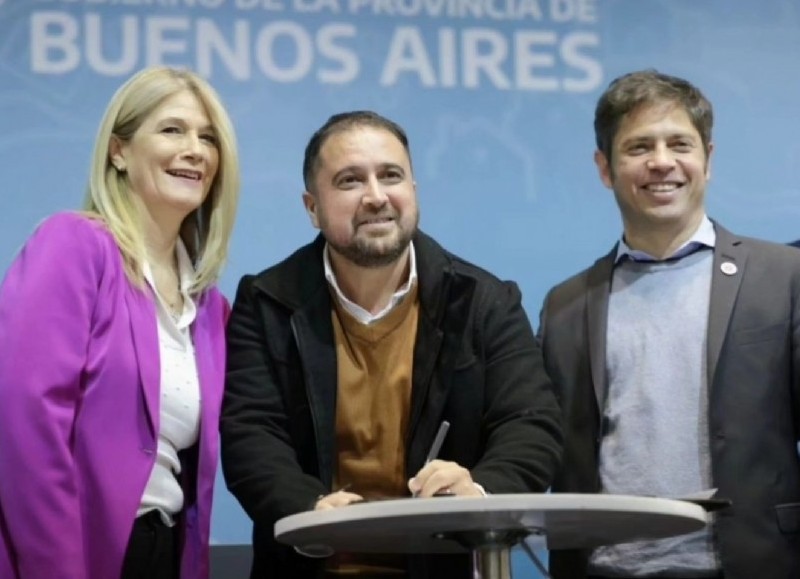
[(444, 477), (335, 500)]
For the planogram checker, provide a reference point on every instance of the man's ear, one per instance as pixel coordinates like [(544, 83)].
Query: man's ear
[(115, 153), (708, 160), (603, 169), (310, 203)]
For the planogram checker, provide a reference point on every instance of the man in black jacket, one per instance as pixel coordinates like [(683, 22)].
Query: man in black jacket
[(345, 358)]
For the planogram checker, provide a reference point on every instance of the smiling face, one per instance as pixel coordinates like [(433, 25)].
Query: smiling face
[(364, 197), (172, 158), (658, 172)]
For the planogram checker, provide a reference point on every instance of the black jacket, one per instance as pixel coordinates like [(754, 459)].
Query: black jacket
[(476, 364)]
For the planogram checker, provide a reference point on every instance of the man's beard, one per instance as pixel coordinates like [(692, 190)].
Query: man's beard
[(364, 253)]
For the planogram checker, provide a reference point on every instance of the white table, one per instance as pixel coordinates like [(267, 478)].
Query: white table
[(488, 526)]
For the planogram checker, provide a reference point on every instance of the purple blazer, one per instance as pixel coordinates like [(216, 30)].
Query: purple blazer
[(79, 407)]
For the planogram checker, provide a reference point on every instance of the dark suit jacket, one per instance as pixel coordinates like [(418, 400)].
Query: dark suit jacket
[(753, 361), (476, 364)]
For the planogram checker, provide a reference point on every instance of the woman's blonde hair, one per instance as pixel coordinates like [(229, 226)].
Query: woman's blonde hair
[(206, 231)]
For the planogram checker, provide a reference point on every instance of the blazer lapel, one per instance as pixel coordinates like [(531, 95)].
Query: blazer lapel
[(440, 329), (144, 332), (730, 258), (313, 332), (208, 349), (424, 417), (599, 288), (444, 299)]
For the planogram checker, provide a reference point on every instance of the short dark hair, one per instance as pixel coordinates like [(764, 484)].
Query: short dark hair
[(630, 91), (340, 123)]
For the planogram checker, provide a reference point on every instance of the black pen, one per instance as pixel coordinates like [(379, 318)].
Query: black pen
[(436, 446), (438, 441)]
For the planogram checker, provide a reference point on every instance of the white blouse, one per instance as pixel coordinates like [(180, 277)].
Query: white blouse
[(179, 408)]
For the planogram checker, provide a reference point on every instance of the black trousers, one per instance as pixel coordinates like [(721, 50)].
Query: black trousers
[(152, 551)]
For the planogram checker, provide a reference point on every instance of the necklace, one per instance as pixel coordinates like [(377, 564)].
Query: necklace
[(175, 308), (167, 284)]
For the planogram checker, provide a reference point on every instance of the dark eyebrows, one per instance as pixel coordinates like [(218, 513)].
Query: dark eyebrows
[(343, 171), (386, 166), (359, 169), (645, 139), (683, 137), (635, 141)]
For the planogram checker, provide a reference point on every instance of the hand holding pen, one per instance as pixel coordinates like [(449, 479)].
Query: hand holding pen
[(440, 477)]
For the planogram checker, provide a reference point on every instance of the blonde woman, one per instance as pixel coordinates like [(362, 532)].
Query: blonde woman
[(113, 355)]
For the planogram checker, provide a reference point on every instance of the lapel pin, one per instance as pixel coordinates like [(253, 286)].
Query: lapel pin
[(728, 268)]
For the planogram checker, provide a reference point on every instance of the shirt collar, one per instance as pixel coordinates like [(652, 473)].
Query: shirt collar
[(357, 311), (704, 236)]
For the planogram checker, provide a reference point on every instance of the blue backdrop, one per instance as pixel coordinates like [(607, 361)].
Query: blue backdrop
[(497, 97)]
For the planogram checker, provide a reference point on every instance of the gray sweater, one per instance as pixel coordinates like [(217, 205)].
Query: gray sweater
[(656, 412)]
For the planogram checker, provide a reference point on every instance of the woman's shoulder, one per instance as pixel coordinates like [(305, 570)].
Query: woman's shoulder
[(67, 236), (73, 230), (68, 223)]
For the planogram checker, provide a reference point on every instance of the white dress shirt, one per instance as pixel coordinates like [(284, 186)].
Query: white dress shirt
[(179, 400)]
